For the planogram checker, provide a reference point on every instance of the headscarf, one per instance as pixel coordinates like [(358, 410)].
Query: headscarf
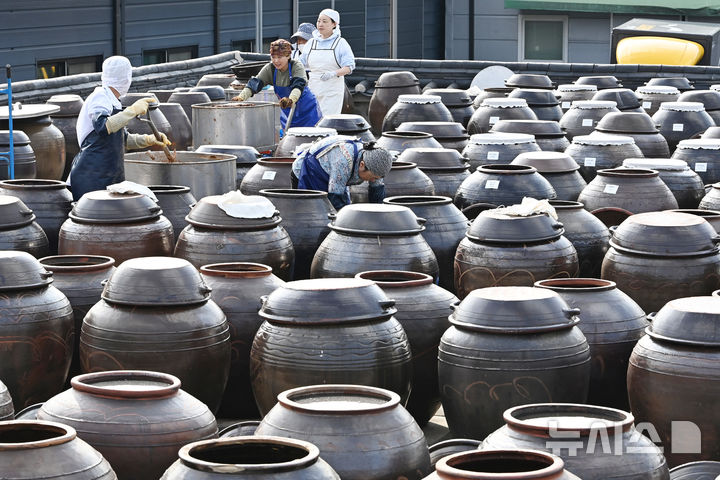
[(280, 47), (117, 73), (333, 14), (377, 159)]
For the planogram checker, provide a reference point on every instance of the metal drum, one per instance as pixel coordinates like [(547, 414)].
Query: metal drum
[(234, 123)]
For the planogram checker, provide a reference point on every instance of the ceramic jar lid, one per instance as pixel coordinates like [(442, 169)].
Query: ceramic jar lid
[(102, 206), (207, 214), (451, 97), (593, 104), (660, 164), (377, 219), (657, 90), (434, 158), (682, 106), (245, 154), (699, 144), (132, 97), (600, 81), (572, 87), (623, 97), (396, 79), (14, 213), (603, 140), (547, 162), (344, 122), (440, 130), (215, 92), (529, 80), (156, 281), (20, 138), (630, 122), (327, 301), (514, 310), (535, 96), (690, 320), (310, 132), (504, 103), (501, 138), (29, 110), (495, 227), (70, 105), (681, 83), (665, 234), (20, 270), (419, 99), (539, 128), (709, 98)]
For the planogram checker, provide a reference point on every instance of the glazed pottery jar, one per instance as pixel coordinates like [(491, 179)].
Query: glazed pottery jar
[(529, 80), (66, 120), (296, 136), (598, 152), (681, 120), (449, 134), (711, 216), (636, 190), (445, 167), (416, 108), (446, 448), (711, 200), (639, 126), (48, 199), (503, 249), (371, 236), (364, 433), (113, 409), (176, 202), (55, 450), (213, 236), (6, 405), (388, 87), (626, 100), (685, 185), (250, 457), (584, 115), (681, 83), (600, 81), (348, 124), (612, 323), (136, 125), (457, 101), (187, 99), (246, 158), (502, 185), (674, 376), (156, 314), (345, 333), (702, 470), (397, 142), (509, 346), (36, 325), (18, 229), (422, 309), (542, 102), (702, 155), (549, 135), (557, 168), (405, 178), (709, 98), (496, 147), (603, 442), (652, 96), (647, 262), (493, 110), (491, 92), (180, 125), (121, 226), (569, 92), (25, 165), (501, 464), (268, 172)]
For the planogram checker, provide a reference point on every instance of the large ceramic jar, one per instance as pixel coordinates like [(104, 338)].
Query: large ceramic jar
[(709, 98), (397, 142), (549, 135), (612, 323), (445, 226), (529, 80), (18, 229), (652, 96), (584, 115), (46, 139), (404, 178), (156, 314), (505, 250), (598, 152), (445, 167), (678, 362), (557, 168), (364, 433), (449, 134), (702, 155), (569, 93), (600, 81), (48, 199), (305, 215), (187, 99), (348, 124), (492, 110), (501, 464), (121, 226), (491, 92), (237, 288), (136, 125), (65, 120), (180, 125), (457, 101), (416, 108), (494, 148), (509, 346), (639, 126), (711, 216), (176, 202), (586, 232), (7, 412), (701, 470), (626, 100), (35, 450), (636, 190), (388, 87), (24, 165), (681, 83), (246, 158), (250, 457), (344, 333), (268, 172), (373, 236), (112, 411), (213, 236), (681, 120), (542, 102), (711, 200), (503, 185), (422, 309), (647, 262), (685, 185), (296, 136), (593, 441), (80, 278), (36, 325)]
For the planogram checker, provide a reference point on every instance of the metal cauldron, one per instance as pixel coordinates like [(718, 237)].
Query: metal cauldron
[(234, 123)]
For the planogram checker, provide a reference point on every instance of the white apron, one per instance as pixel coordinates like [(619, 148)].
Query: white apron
[(329, 93)]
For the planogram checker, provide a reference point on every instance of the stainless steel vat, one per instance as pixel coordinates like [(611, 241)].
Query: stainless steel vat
[(234, 123)]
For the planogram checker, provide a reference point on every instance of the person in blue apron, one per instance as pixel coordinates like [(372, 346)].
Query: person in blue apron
[(101, 131), (290, 85), (328, 58), (331, 164)]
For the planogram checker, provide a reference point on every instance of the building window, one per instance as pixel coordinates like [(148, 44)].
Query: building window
[(543, 38), (68, 66), (164, 55), (249, 45)]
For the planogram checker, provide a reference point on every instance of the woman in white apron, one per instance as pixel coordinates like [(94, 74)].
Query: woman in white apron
[(328, 58)]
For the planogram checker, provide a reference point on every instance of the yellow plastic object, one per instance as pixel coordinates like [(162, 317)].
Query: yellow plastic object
[(658, 50)]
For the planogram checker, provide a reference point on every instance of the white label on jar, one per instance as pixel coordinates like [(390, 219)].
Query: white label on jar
[(701, 167), (565, 104), (493, 155), (589, 161), (269, 175), (678, 127), (587, 122), (611, 189), (493, 120), (493, 184), (647, 105)]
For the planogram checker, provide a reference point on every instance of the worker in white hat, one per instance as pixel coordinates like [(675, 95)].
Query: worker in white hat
[(328, 58)]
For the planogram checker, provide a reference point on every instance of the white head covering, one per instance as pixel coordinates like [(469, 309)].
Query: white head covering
[(333, 14), (117, 73)]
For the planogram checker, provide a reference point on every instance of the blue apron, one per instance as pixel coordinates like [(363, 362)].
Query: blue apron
[(100, 161), (314, 177), (307, 112)]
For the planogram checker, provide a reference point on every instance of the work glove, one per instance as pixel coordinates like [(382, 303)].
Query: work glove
[(137, 140), (327, 76), (286, 102), (244, 95), (119, 120)]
